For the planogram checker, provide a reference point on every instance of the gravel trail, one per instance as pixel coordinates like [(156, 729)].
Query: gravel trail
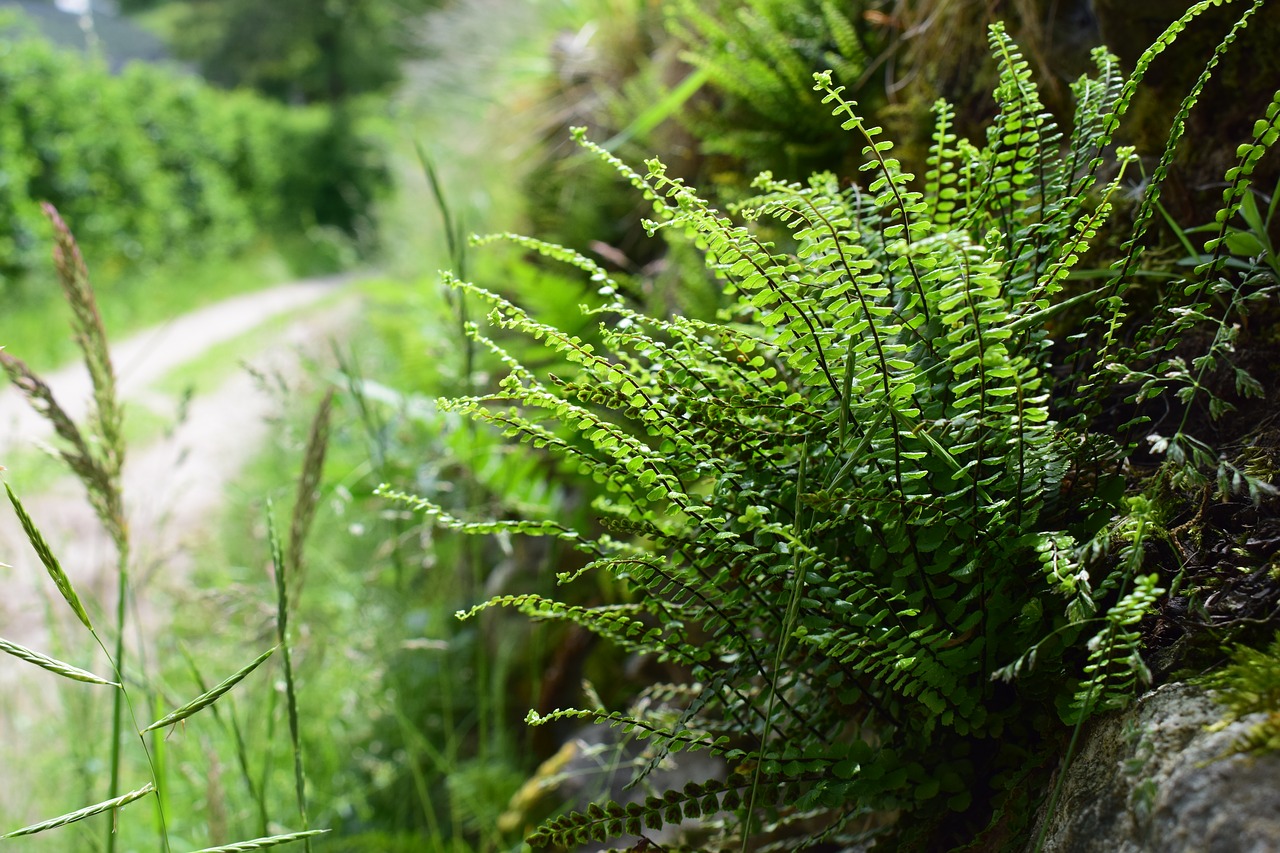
[(147, 356)]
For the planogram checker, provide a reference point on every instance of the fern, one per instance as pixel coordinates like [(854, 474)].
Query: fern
[(759, 58), (611, 820), (837, 509), (1166, 326)]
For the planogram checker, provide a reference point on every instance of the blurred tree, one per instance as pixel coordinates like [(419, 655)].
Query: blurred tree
[(300, 51)]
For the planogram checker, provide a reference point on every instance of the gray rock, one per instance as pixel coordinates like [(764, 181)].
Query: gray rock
[(1153, 779)]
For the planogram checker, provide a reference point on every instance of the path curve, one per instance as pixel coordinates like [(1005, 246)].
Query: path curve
[(147, 356)]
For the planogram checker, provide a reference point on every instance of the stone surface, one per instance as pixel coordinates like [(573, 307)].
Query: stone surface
[(1152, 779)]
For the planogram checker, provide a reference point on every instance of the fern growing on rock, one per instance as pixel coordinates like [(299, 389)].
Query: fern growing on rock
[(837, 510)]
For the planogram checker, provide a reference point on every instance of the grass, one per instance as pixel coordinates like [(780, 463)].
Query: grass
[(94, 454), (342, 624), (222, 771), (156, 682), (410, 735), (195, 763), (403, 709)]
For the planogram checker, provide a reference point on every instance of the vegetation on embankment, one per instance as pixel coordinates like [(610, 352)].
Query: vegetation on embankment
[(875, 486), (179, 193)]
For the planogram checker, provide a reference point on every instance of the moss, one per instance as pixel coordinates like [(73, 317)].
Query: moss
[(1250, 685)]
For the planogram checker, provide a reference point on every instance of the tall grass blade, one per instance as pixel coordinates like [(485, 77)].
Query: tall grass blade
[(264, 843), (206, 699), (159, 759), (291, 696), (87, 811), (666, 106), (46, 556), (242, 752), (452, 227), (304, 507), (788, 627), (91, 337), (66, 670), (378, 436)]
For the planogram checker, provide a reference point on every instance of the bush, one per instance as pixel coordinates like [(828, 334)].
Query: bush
[(158, 165)]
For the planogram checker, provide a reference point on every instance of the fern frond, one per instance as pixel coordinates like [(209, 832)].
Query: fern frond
[(1132, 249), (611, 820), (1115, 667), (1266, 132)]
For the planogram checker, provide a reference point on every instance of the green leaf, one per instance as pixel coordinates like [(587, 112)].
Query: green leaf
[(66, 670), (51, 563), (206, 699)]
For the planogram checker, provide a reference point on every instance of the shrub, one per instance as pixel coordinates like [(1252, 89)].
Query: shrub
[(156, 165)]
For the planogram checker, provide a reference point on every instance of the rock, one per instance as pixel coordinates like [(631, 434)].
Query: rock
[(1152, 779)]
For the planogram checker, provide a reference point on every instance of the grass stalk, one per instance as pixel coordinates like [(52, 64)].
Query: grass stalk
[(160, 763), (788, 626), (291, 695), (232, 723), (117, 704), (377, 434), (308, 494), (121, 704), (268, 755)]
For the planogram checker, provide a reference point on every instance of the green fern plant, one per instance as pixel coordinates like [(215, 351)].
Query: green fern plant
[(837, 509), (1250, 684), (759, 59)]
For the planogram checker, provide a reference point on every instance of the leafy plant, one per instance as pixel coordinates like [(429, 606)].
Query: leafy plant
[(837, 510), (759, 58), (725, 87), (1248, 239), (151, 167)]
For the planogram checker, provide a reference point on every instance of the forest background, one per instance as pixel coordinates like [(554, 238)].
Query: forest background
[(303, 137)]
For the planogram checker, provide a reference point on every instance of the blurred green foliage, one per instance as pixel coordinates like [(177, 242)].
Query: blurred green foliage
[(152, 167), (723, 89), (761, 112), (307, 51)]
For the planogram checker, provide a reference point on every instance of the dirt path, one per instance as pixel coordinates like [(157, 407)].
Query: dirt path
[(147, 356), (173, 486)]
